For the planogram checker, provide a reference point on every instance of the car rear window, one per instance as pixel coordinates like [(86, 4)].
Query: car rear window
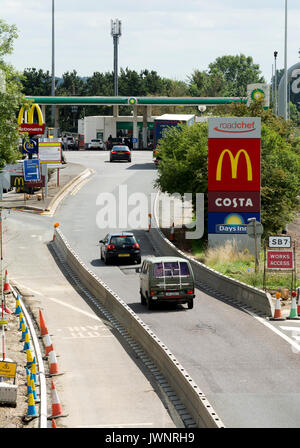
[(121, 240), (171, 269), (95, 140)]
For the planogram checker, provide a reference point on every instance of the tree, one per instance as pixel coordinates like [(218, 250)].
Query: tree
[(11, 99), (36, 82), (238, 71)]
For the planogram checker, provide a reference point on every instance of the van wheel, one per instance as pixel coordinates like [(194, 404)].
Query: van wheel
[(190, 304), (143, 300), (149, 304)]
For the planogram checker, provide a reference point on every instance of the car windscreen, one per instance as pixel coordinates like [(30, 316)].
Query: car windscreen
[(171, 269), (120, 241)]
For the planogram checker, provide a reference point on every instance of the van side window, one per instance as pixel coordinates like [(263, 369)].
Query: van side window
[(144, 267)]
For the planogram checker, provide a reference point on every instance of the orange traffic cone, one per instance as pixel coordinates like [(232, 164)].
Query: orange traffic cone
[(43, 327), (277, 312), (56, 406), (53, 365), (47, 343), (6, 287), (53, 424), (298, 301)]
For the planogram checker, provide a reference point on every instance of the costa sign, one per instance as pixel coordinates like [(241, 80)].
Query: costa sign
[(30, 126), (238, 201)]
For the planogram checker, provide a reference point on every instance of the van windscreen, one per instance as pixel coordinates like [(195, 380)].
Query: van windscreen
[(171, 269)]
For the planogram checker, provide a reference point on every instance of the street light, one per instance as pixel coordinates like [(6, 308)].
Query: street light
[(53, 66), (275, 86), (285, 113), (116, 33), (255, 243)]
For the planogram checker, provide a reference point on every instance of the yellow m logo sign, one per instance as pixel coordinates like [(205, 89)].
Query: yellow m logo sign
[(234, 160), (30, 116)]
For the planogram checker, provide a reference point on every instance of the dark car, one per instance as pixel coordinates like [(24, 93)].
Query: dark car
[(120, 246), (121, 152)]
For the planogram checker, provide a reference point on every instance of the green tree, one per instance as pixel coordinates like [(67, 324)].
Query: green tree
[(237, 71), (36, 82), (11, 98)]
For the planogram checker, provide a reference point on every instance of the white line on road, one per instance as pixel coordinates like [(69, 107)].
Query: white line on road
[(290, 328), (74, 308)]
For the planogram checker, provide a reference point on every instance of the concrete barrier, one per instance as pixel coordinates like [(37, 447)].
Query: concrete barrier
[(183, 385)]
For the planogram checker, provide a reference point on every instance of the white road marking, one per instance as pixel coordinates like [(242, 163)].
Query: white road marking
[(290, 328), (74, 308)]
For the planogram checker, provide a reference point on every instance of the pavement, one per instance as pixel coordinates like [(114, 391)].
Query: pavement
[(113, 388), (69, 175)]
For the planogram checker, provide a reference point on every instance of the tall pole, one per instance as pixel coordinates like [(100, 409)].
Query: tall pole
[(53, 65), (275, 87), (116, 33), (285, 115)]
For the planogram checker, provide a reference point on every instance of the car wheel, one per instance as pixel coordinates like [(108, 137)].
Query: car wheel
[(190, 304), (106, 261), (138, 260), (129, 160)]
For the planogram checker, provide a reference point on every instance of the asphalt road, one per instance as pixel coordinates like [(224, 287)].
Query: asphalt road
[(248, 373)]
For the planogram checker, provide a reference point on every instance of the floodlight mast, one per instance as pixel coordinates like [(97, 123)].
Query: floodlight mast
[(116, 33)]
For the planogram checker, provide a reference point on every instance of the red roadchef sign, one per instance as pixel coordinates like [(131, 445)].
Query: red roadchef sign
[(279, 259)]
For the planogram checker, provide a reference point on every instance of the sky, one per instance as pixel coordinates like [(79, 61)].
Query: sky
[(171, 37)]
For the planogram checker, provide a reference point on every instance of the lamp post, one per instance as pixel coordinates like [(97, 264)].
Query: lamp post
[(285, 113), (275, 84), (116, 33), (53, 66)]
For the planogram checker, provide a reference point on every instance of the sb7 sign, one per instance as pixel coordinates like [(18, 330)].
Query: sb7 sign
[(279, 242)]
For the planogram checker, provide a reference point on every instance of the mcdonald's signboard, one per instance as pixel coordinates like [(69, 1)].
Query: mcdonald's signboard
[(34, 123), (234, 164)]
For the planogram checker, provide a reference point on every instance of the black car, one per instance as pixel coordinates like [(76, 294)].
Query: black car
[(120, 246), (120, 152)]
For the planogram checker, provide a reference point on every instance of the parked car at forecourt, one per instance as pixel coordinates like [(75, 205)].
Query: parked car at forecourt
[(166, 280), (121, 152), (96, 143), (120, 246)]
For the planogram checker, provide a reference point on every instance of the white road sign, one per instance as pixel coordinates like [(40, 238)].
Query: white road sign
[(280, 241)]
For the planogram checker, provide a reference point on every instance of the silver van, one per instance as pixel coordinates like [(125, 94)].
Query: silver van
[(166, 279)]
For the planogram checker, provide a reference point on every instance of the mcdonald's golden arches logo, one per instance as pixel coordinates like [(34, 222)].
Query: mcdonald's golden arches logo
[(31, 127), (234, 160)]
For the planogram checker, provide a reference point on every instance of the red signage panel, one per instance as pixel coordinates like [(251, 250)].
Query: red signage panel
[(279, 259), (234, 201), (32, 128), (233, 164)]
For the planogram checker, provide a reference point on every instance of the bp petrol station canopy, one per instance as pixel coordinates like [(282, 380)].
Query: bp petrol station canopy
[(133, 101)]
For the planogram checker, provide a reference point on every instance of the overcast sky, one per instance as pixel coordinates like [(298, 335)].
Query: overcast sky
[(172, 37)]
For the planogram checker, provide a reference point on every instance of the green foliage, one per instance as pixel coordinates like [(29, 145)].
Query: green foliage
[(184, 168), (11, 99)]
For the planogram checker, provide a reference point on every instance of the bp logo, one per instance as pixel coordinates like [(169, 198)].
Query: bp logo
[(257, 95), (132, 101)]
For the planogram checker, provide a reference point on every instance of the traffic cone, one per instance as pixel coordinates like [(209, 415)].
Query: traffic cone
[(277, 312), (29, 358), (24, 328), (56, 406), (33, 369), (172, 236), (6, 287), (18, 309), (53, 365), (33, 389), (31, 411), (53, 424), (43, 327), (27, 343), (21, 320), (293, 311), (28, 383), (47, 343)]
